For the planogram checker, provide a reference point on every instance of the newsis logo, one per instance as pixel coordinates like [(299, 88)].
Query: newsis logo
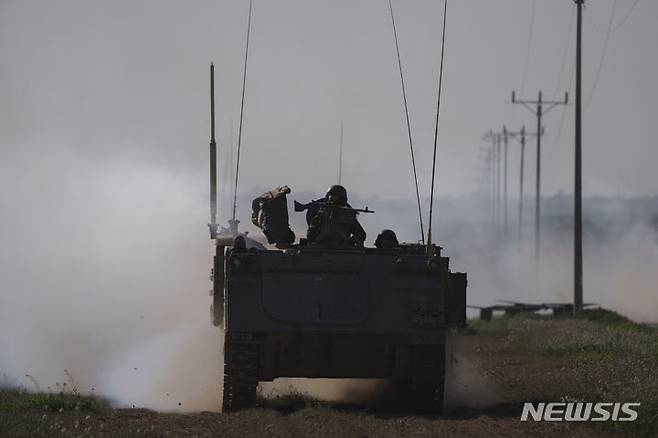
[(579, 411)]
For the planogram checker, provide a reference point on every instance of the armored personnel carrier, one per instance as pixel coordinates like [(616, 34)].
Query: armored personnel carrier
[(335, 312), (329, 306)]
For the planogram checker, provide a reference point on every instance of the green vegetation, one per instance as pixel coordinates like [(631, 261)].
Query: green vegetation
[(596, 356), (63, 413), (16, 400)]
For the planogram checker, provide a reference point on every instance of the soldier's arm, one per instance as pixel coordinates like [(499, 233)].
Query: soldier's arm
[(358, 233), (315, 224)]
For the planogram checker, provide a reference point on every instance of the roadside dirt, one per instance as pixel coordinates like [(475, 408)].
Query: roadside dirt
[(501, 420), (489, 378)]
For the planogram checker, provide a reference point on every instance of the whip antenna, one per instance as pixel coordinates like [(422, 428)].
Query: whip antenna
[(212, 226), (244, 82), (406, 112), (340, 155), (436, 126)]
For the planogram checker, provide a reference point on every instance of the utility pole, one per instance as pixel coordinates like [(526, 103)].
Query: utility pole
[(521, 136), (498, 178), (521, 184), (494, 145), (578, 200), (505, 205), (539, 111), (499, 145), (494, 138), (485, 181), (492, 181)]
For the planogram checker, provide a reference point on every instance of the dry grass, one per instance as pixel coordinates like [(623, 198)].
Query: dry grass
[(599, 356)]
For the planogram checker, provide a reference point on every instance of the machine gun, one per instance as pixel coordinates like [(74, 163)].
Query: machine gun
[(324, 204)]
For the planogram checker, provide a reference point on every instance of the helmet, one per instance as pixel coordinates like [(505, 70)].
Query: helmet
[(337, 195), (386, 239)]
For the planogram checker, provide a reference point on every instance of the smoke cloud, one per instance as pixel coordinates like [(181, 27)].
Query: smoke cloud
[(105, 274)]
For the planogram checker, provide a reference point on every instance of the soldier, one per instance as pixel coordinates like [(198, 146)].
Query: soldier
[(332, 221), (386, 240), (270, 214)]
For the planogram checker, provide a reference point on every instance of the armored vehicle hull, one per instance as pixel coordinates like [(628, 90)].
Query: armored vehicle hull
[(356, 313)]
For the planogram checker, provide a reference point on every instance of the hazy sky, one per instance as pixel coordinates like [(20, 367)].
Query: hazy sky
[(107, 81)]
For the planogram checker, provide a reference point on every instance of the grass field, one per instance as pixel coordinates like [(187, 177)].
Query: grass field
[(599, 356)]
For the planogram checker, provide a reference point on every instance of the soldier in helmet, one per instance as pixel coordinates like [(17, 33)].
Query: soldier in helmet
[(332, 221), (386, 240)]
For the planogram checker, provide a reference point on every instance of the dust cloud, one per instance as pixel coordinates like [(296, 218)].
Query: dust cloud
[(105, 275), (104, 270), (620, 249), (466, 387), (619, 270)]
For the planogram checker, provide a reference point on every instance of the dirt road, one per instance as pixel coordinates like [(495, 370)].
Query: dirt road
[(495, 366)]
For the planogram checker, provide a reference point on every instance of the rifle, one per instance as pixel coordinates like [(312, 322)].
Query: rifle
[(303, 207)]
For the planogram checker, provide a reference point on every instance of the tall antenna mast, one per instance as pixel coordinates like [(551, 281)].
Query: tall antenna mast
[(244, 82), (340, 155), (212, 226), (436, 127), (231, 170), (406, 112)]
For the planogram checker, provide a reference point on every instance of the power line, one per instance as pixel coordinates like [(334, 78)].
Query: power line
[(603, 53), (618, 25), (527, 52), (564, 109), (571, 77), (564, 55), (623, 20)]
